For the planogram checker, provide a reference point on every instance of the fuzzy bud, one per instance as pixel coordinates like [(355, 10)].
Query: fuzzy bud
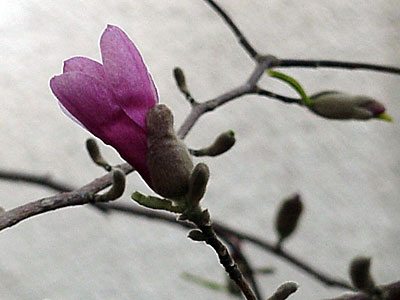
[(288, 216), (341, 106), (222, 143), (168, 159), (360, 274), (197, 184), (95, 155), (284, 290), (117, 188), (180, 80)]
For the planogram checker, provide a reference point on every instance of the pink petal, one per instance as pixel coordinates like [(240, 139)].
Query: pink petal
[(84, 65), (93, 104), (69, 115), (127, 74)]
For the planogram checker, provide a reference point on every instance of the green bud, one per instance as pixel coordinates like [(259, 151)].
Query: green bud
[(288, 216), (95, 155), (360, 274), (117, 188), (157, 203), (341, 106), (222, 143), (168, 159)]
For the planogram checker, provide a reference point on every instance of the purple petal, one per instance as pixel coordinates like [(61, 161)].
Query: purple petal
[(127, 74), (69, 115), (93, 104), (84, 65)]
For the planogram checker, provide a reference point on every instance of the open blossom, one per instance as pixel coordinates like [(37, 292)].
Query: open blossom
[(111, 100)]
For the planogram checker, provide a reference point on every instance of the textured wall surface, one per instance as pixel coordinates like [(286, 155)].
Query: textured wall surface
[(347, 172)]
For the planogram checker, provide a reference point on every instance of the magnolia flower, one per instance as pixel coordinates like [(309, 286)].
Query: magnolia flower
[(337, 105), (111, 100)]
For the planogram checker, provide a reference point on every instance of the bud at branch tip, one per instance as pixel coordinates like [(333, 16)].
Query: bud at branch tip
[(222, 144), (117, 188), (360, 274), (95, 154), (287, 217), (284, 290), (181, 83), (197, 184)]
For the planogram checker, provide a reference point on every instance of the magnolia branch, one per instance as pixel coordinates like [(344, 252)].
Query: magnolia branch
[(87, 194), (249, 87), (81, 196), (41, 180), (224, 231), (84, 195), (304, 63)]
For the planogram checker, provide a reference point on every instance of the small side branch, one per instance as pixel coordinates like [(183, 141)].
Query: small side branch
[(225, 232), (305, 63), (14, 216), (262, 92), (249, 87), (42, 180), (81, 196), (242, 39), (201, 218), (226, 260)]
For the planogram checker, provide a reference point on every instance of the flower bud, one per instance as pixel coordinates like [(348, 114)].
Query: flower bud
[(360, 274), (284, 290), (341, 106), (117, 188), (168, 159), (180, 80), (288, 217), (197, 184), (95, 155), (222, 143)]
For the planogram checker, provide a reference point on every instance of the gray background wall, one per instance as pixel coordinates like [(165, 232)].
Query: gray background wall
[(347, 172)]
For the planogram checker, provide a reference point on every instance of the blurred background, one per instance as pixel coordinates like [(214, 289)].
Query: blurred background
[(347, 172)]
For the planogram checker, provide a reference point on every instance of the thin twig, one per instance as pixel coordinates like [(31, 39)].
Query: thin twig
[(306, 63), (270, 94), (201, 218), (243, 263), (226, 260), (248, 87), (84, 195), (270, 247), (222, 230), (242, 39), (42, 180)]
